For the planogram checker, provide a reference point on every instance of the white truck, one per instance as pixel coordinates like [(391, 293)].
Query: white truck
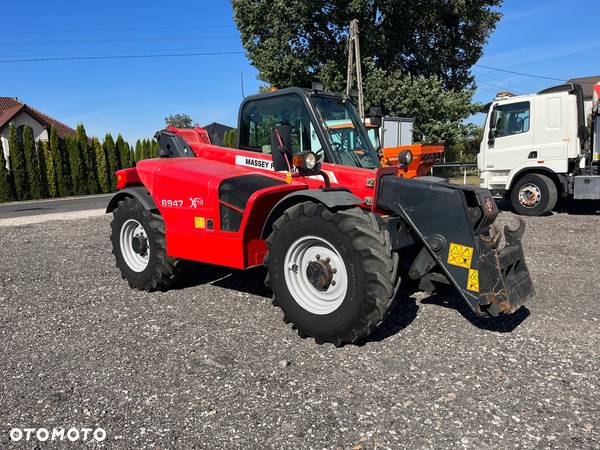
[(537, 148)]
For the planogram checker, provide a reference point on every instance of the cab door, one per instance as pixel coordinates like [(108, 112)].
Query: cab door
[(509, 139)]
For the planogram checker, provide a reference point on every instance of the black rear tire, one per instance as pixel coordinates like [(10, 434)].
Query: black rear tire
[(368, 261), (538, 185), (161, 270)]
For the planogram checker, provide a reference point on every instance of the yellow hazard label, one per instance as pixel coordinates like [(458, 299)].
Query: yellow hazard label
[(200, 222), (473, 280), (460, 255)]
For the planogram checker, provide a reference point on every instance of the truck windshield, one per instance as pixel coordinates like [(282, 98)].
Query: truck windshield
[(346, 132)]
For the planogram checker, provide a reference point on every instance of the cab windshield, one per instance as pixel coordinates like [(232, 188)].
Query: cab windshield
[(345, 132), (373, 134)]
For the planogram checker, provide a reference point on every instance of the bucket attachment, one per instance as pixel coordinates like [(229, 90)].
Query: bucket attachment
[(455, 224), (505, 282)]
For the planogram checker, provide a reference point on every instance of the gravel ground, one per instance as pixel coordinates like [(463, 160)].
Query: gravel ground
[(211, 365)]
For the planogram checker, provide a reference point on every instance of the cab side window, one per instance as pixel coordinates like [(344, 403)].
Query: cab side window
[(259, 117), (511, 119)]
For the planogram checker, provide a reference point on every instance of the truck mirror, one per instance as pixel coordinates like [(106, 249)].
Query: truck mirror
[(281, 147), (492, 137), (375, 111)]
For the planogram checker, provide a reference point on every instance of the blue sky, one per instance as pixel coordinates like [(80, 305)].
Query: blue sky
[(132, 96)]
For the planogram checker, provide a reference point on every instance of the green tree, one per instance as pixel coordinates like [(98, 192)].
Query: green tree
[(5, 180), (88, 160), (17, 164), (124, 152), (466, 150), (32, 163), (61, 164), (43, 166), (292, 43), (146, 149), (179, 120), (439, 113), (79, 184), (155, 148), (132, 161), (406, 44), (49, 176), (112, 157), (102, 166), (138, 150), (230, 138)]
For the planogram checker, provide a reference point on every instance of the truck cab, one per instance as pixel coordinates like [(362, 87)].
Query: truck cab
[(536, 148)]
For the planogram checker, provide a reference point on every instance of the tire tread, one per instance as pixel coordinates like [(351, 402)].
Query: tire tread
[(166, 268), (372, 244)]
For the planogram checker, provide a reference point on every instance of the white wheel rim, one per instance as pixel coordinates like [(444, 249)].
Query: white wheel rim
[(135, 260), (314, 249), (530, 195)]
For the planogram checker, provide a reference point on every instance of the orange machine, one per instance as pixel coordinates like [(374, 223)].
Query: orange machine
[(424, 157)]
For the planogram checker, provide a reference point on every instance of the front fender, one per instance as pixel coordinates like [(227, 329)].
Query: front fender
[(140, 193), (332, 199)]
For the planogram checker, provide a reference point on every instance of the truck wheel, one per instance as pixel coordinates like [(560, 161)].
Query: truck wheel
[(534, 195), (139, 246), (331, 272)]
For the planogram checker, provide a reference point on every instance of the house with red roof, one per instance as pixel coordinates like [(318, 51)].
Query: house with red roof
[(12, 110)]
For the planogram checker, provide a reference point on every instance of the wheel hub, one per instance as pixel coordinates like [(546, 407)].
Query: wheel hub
[(315, 275), (139, 243), (134, 245), (320, 273), (530, 195)]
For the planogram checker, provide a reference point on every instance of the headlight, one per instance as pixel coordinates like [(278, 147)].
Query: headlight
[(310, 160), (305, 161), (405, 157)]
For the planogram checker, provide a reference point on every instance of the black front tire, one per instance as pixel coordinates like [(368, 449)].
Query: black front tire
[(161, 270), (539, 183), (368, 259)]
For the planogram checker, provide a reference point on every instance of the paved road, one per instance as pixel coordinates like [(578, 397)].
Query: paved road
[(54, 206), (210, 364)]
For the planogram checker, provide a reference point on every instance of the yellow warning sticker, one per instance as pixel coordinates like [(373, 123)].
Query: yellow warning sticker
[(473, 280), (200, 222), (460, 255)]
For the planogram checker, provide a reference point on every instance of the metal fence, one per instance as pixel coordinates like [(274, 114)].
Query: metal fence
[(457, 172)]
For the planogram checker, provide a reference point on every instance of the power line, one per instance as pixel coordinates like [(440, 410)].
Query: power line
[(89, 58), (66, 53), (110, 30), (88, 41), (493, 91), (324, 20), (498, 81), (490, 87), (520, 73)]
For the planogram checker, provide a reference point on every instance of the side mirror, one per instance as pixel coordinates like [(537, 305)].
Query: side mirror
[(374, 121), (316, 86), (281, 147), (492, 137), (375, 111)]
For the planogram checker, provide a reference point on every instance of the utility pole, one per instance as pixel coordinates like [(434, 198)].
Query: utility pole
[(354, 51)]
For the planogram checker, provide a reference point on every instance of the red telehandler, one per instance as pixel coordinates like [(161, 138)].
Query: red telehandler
[(336, 231)]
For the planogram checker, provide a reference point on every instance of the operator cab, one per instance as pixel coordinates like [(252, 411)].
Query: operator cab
[(326, 124)]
